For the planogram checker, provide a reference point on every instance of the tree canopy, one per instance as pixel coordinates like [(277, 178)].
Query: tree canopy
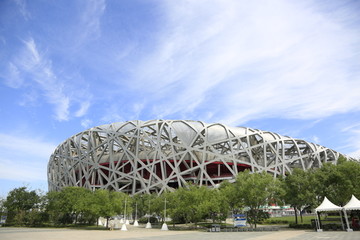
[(192, 204), (298, 191), (256, 190), (19, 204)]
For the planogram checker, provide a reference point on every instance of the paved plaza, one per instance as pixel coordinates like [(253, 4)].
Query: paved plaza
[(156, 234)]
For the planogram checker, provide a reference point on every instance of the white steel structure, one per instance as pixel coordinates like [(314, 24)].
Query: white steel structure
[(153, 156)]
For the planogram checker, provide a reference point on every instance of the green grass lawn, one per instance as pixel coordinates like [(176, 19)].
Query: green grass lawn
[(288, 220)]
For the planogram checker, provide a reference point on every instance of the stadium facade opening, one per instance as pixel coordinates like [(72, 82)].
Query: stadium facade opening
[(157, 155)]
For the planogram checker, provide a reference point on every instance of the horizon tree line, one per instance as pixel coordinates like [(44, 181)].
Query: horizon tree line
[(191, 204)]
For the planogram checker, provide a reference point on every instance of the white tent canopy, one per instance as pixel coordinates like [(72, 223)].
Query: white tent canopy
[(326, 206), (353, 204)]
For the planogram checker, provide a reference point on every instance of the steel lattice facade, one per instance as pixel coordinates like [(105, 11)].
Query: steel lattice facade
[(153, 156)]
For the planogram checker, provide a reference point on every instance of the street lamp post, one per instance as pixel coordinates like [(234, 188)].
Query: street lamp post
[(148, 224), (123, 227), (136, 223), (164, 226)]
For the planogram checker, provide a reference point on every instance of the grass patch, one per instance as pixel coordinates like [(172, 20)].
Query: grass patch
[(82, 227), (288, 220), (67, 226)]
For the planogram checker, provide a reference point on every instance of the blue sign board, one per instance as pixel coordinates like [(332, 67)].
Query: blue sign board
[(239, 220), (3, 219)]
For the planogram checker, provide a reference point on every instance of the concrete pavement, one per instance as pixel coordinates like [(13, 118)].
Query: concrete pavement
[(135, 233)]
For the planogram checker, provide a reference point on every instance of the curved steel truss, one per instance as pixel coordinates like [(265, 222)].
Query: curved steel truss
[(158, 155)]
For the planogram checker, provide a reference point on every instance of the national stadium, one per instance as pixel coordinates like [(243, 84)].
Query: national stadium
[(160, 155)]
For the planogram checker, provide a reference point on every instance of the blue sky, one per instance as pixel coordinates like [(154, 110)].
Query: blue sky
[(292, 67)]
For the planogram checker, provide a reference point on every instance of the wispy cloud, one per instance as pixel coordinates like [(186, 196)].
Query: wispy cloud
[(41, 72), (89, 24), (316, 139), (43, 82), (13, 163), (86, 123), (113, 113), (352, 136), (22, 8), (239, 61), (13, 78), (84, 106)]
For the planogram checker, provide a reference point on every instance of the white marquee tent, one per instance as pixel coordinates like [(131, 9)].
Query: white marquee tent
[(353, 204), (326, 206)]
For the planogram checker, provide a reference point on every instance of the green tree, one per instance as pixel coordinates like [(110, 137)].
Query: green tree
[(141, 202), (351, 171), (158, 205), (2, 207), (70, 205), (192, 204), (186, 204), (299, 189), (75, 201), (256, 190), (76, 204), (19, 203), (121, 200), (214, 204), (338, 182), (101, 204), (232, 197)]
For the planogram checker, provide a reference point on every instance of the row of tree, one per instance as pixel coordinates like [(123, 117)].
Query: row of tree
[(250, 191)]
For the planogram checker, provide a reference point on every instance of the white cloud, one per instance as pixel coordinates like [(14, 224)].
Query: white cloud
[(352, 136), (116, 112), (42, 81), (24, 158), (90, 20), (24, 144), (316, 139), (12, 77), (86, 123), (112, 114), (39, 70), (84, 106), (21, 171), (23, 10), (239, 61)]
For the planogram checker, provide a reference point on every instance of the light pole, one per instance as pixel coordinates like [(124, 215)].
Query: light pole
[(164, 226), (148, 224), (136, 223), (123, 227), (126, 220)]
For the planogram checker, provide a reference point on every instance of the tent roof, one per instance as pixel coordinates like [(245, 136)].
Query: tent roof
[(326, 205), (353, 204)]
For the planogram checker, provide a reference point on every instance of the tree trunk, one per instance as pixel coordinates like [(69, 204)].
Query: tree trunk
[(296, 217), (301, 216), (255, 217), (247, 216)]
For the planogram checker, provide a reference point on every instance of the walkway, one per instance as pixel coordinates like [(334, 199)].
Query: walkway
[(156, 234)]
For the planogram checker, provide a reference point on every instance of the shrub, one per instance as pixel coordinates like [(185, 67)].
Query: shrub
[(300, 226), (145, 220), (276, 221)]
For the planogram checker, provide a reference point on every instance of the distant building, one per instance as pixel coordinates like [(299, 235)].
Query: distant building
[(157, 155)]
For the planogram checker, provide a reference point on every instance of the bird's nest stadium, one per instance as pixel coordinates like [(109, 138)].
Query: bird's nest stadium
[(158, 155)]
